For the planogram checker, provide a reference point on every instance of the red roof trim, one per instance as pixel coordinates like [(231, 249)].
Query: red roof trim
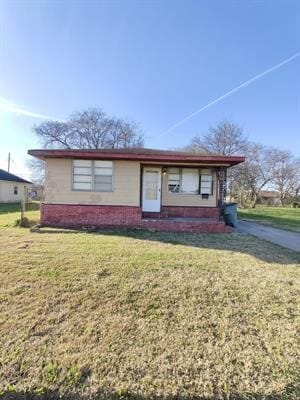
[(160, 156)]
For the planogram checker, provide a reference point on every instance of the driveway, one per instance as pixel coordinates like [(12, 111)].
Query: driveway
[(284, 238)]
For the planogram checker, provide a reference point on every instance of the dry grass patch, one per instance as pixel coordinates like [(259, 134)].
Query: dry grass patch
[(145, 315)]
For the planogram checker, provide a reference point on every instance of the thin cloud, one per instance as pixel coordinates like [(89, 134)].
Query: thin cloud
[(234, 90), (7, 106)]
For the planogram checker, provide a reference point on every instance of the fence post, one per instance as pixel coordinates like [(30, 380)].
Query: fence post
[(23, 204)]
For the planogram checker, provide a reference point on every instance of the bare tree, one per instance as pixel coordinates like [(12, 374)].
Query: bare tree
[(125, 134), (286, 175), (296, 189), (225, 138), (54, 134), (264, 167), (257, 171), (37, 168), (90, 129), (87, 129)]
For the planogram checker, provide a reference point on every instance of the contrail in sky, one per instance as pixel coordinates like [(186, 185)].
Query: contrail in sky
[(236, 89), (7, 106)]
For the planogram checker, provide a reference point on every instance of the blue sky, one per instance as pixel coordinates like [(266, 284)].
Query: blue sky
[(152, 61)]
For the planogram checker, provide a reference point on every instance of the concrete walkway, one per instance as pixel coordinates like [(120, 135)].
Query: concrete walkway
[(284, 238)]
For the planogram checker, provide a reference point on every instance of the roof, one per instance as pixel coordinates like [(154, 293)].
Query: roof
[(269, 193), (7, 176), (138, 154)]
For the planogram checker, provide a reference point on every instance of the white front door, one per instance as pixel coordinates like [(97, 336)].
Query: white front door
[(151, 189)]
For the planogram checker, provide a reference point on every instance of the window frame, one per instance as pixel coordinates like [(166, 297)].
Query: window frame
[(16, 190), (73, 175), (199, 192), (212, 182), (93, 176), (179, 173), (196, 192)]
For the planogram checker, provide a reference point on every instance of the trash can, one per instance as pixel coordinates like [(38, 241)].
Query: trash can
[(230, 214)]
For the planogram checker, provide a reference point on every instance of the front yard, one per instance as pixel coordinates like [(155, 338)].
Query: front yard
[(10, 213), (142, 315), (277, 217)]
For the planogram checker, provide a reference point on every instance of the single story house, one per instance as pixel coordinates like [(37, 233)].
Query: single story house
[(269, 197), (13, 189), (146, 188)]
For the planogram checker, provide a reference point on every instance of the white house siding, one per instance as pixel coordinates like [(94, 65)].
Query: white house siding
[(7, 191)]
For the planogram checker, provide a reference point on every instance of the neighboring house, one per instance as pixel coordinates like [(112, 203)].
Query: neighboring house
[(141, 188), (13, 189), (269, 197)]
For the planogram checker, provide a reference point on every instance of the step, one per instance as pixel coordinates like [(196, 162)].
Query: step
[(201, 225)]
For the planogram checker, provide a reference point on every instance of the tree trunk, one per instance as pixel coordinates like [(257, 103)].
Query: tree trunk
[(255, 199)]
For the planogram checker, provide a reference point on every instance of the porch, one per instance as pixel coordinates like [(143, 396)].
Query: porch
[(185, 224), (181, 198), (185, 219)]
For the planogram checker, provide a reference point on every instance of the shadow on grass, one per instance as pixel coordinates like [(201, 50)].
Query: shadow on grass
[(290, 392), (234, 242), (6, 208)]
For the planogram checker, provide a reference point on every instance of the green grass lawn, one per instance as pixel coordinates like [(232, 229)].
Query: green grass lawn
[(10, 213), (278, 217), (143, 315)]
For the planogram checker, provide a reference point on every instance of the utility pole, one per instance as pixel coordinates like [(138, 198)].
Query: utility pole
[(8, 162)]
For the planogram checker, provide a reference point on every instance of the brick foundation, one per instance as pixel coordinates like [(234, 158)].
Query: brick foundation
[(71, 215), (191, 212), (78, 216)]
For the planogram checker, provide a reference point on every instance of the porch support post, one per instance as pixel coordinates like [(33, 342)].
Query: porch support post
[(222, 185)]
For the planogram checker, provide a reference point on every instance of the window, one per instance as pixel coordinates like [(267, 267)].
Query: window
[(16, 191), (103, 176), (174, 180), (190, 181), (92, 175), (206, 184), (151, 189), (82, 175)]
